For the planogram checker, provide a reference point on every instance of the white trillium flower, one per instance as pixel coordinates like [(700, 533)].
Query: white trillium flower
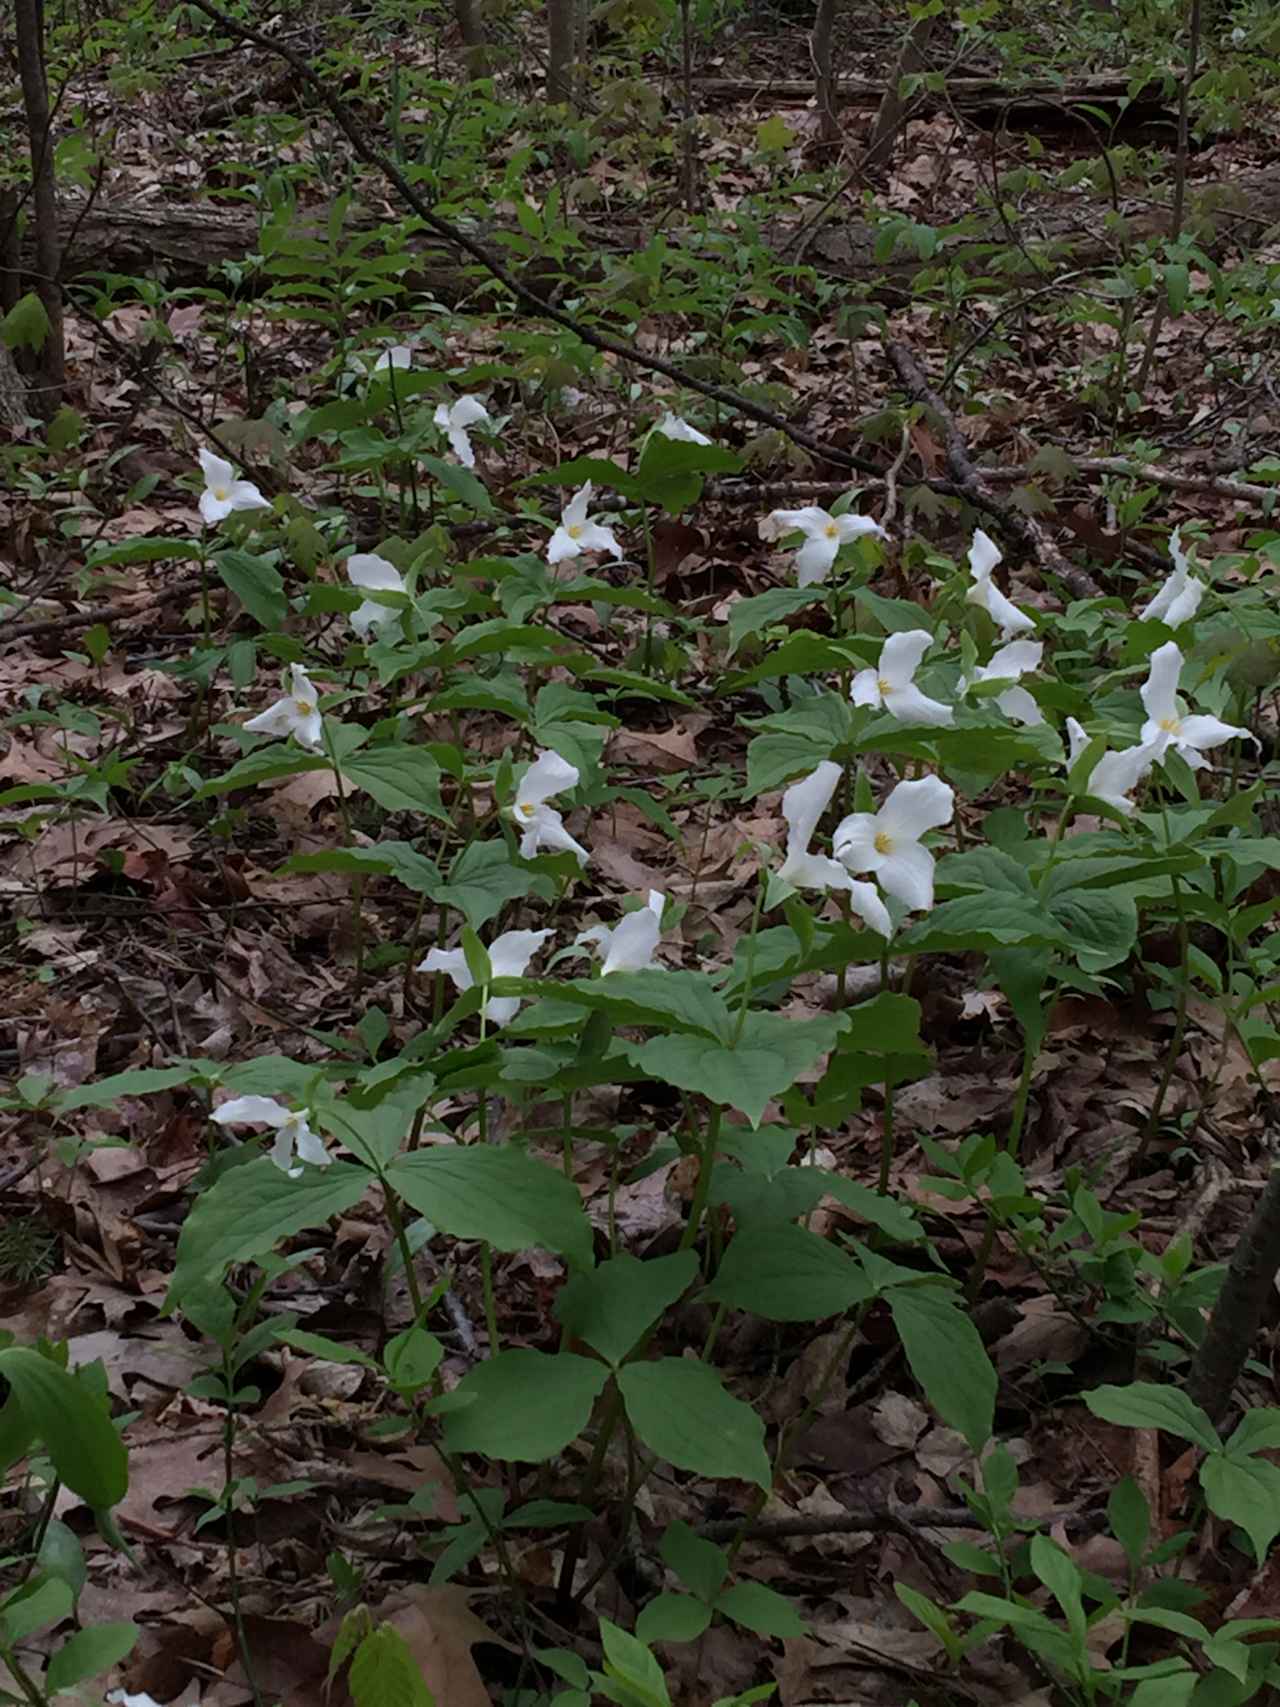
[(824, 535), (888, 843), (297, 714), (1007, 665), (984, 554), (118, 1698), (890, 686), (541, 825), (673, 427), (1115, 775), (509, 955), (293, 1134), (1166, 725), (223, 493), (1179, 599), (578, 533), (1239, 36), (366, 569), (453, 419), (802, 806), (395, 356), (629, 946)]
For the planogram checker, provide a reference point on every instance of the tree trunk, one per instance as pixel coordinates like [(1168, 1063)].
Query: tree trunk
[(824, 20), (1233, 1325), (51, 376), (560, 45), (470, 22), (893, 107)]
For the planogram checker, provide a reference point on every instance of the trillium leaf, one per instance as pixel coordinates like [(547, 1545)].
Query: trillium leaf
[(72, 1423), (620, 1300), (1245, 1491), (1148, 1404), (947, 1357), (504, 1196), (399, 778), (257, 583), (764, 1061), (786, 1273), (525, 1405), (681, 1411)]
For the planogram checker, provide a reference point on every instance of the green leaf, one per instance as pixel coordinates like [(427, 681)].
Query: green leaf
[(33, 1606), (482, 881), (1101, 925), (525, 1405), (1130, 1519), (72, 1422), (700, 1565), (891, 1217), (26, 325), (679, 1001), (504, 1196), (61, 1555), (673, 1618), (631, 1663), (387, 859), (155, 549), (947, 1357), (384, 1672), (267, 764), (400, 778), (459, 483), (682, 1412), (769, 1055), (1244, 1491), (1145, 1404), (753, 616), (786, 1273), (761, 1609), (889, 1024), (981, 921), (249, 1210), (1061, 1576), (140, 1082), (88, 1653), (611, 1307), (257, 583), (671, 470)]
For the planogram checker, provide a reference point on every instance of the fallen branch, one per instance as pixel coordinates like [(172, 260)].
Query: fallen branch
[(97, 613)]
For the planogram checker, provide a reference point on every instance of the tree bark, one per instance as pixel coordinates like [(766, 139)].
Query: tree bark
[(1236, 1317), (893, 107), (560, 46), (51, 375), (470, 22), (824, 20)]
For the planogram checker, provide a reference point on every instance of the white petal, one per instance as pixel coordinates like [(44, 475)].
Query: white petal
[(1018, 705), (310, 1147), (1077, 739), (984, 554), (369, 615), (854, 527), (1006, 615), (501, 1010), (854, 842), (546, 830), (901, 654), (815, 871), (1154, 610), (277, 719), (367, 569), (575, 511), (596, 936), (810, 521), (914, 807), (1185, 606), (657, 904), (244, 495), (1012, 661), (214, 509), (265, 1111), (216, 471), (460, 445), (864, 689), (397, 356), (308, 731), (814, 559), (510, 953), (672, 427), (1159, 693), (594, 536), (908, 874), (452, 962), (549, 774), (1203, 734), (561, 545), (634, 939), (865, 901), (300, 684), (468, 412), (282, 1152), (805, 802), (909, 705)]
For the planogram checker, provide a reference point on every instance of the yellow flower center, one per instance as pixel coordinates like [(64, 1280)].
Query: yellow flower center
[(883, 842), (1171, 725), (524, 808), (831, 530), (885, 687), (304, 707), (574, 530), (221, 493)]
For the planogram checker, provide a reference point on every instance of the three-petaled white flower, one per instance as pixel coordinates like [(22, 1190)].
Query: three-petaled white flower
[(297, 714), (541, 825), (891, 684), (373, 573), (629, 946), (1179, 599), (674, 427), (578, 533), (394, 358), (802, 806), (887, 843), (293, 1134), (984, 554), (453, 419), (1115, 775), (1167, 726), (1007, 665), (509, 954), (223, 493), (824, 534)]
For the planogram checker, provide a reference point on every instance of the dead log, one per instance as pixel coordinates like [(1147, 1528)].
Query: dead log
[(966, 94)]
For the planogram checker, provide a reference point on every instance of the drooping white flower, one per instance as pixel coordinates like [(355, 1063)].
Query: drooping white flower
[(1239, 36), (802, 806), (297, 714), (509, 955), (293, 1134), (629, 946), (118, 1698), (888, 843), (824, 534), (453, 419), (366, 569), (223, 493), (674, 427), (891, 684), (578, 533), (395, 356), (1115, 775), (1007, 664), (984, 554), (1167, 726), (541, 825), (1179, 599)]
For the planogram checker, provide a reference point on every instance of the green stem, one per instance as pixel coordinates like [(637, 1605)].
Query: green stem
[(745, 1003), (228, 1497), (30, 1688), (357, 883), (490, 1307), (1179, 1023), (886, 1131), (702, 1189)]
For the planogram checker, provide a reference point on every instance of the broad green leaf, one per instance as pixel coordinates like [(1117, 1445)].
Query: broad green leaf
[(682, 1001), (1101, 925), (761, 1609), (257, 583), (478, 1192), (460, 483), (32, 1607), (266, 764), (140, 1082), (61, 1555), (400, 778), (152, 550), (753, 616), (620, 1300), (1130, 1519), (384, 1673), (765, 1060), (947, 1357), (888, 1024), (1146, 1404), (245, 1214), (26, 325), (700, 1565), (673, 1618), (525, 1405), (681, 1411), (1245, 1491), (387, 859), (73, 1424), (787, 1274), (88, 1653), (482, 881), (1061, 1576), (630, 1662), (981, 921), (886, 1213)]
